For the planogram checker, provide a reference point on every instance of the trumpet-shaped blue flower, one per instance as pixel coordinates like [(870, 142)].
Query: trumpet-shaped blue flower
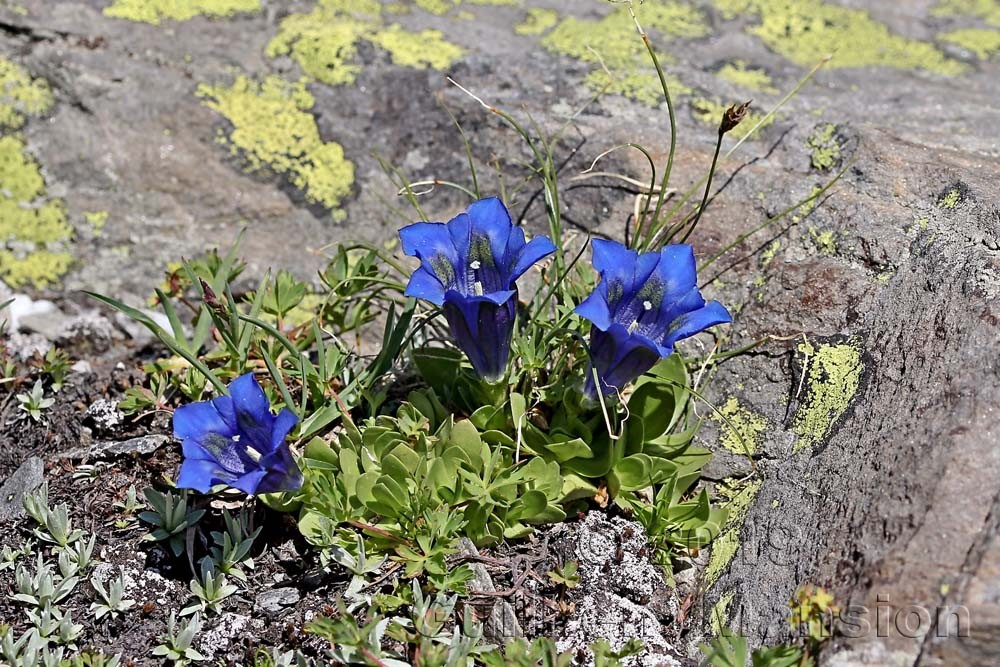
[(642, 306), (470, 266), (235, 440)]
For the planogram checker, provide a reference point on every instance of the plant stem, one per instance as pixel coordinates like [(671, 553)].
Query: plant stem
[(704, 199)]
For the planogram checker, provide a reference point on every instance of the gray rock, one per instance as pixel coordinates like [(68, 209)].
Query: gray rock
[(109, 449), (26, 479), (34, 316), (274, 601), (89, 333), (24, 346), (82, 367)]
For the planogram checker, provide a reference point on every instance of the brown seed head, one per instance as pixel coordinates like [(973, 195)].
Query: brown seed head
[(733, 116)]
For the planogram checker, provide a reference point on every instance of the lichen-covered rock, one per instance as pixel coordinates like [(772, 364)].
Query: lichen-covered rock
[(621, 594)]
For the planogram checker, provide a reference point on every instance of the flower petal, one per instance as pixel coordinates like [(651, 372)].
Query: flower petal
[(535, 250), (250, 482), (283, 424), (196, 420), (614, 261), (490, 218), (595, 308), (425, 285), (676, 268), (482, 328), (253, 412), (201, 475), (431, 242), (696, 321), (619, 357), (282, 472)]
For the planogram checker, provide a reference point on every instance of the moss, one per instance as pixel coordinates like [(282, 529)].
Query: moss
[(613, 42), (273, 129), (751, 78), (324, 41), (984, 43), (826, 241), (742, 429), (987, 10), (950, 200), (154, 11), (833, 374), (710, 112), (427, 48), (727, 544), (824, 147), (34, 233), (720, 613), (21, 95), (805, 31), (537, 22)]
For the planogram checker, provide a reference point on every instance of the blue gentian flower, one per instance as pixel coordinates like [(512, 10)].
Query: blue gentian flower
[(642, 306), (235, 440), (469, 267)]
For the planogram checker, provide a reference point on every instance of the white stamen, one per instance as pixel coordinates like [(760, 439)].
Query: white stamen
[(647, 305), (474, 265), (254, 454), (478, 288), (236, 438)]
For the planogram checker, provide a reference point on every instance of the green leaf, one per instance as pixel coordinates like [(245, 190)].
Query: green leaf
[(727, 650), (631, 474), (569, 449), (653, 403), (439, 366), (527, 506)]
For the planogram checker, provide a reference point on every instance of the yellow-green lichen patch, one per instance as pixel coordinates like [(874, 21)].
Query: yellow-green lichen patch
[(727, 544), (751, 78), (770, 252), (720, 613), (614, 42), (272, 128), (96, 220), (324, 41), (984, 43), (710, 112), (154, 11), (805, 31), (427, 48), (537, 22), (34, 234), (441, 7), (950, 199), (825, 241), (741, 429), (21, 95), (987, 10), (824, 147), (833, 374), (436, 6)]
